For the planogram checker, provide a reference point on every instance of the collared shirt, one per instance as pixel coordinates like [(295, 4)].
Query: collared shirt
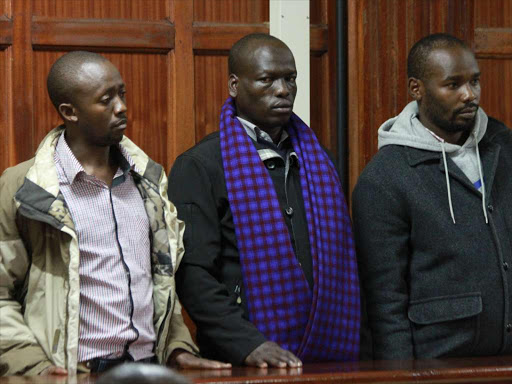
[(271, 149), (116, 289)]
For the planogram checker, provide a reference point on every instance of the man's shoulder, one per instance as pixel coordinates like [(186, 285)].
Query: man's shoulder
[(12, 179), (387, 159), (498, 132), (16, 174), (207, 150)]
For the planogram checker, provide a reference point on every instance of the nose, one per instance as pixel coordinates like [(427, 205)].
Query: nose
[(468, 93), (120, 105), (282, 89)]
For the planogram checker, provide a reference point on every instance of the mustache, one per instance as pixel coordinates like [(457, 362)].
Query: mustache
[(470, 106)]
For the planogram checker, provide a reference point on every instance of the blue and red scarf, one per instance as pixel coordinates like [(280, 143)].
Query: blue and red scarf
[(318, 325)]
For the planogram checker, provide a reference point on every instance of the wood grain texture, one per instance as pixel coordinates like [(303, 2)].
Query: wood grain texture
[(182, 85), (5, 31), (495, 14), (103, 9), (222, 36), (209, 95), (5, 7), (145, 78), (320, 83), (495, 99), (229, 11), (6, 127), (493, 43), (318, 11), (22, 129), (128, 35)]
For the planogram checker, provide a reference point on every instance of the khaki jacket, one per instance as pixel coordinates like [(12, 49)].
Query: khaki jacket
[(39, 258)]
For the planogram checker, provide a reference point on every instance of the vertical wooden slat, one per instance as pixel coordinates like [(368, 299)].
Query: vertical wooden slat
[(183, 116), (6, 126), (22, 75), (102, 9), (331, 111)]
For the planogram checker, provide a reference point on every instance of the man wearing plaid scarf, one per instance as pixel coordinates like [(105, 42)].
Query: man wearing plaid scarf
[(269, 274)]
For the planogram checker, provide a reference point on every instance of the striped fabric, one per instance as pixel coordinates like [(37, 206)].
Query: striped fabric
[(116, 304), (318, 326)]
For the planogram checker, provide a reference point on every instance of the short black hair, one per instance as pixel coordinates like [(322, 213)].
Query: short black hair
[(61, 79), (239, 49), (418, 55)]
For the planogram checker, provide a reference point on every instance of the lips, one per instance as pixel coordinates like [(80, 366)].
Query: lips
[(284, 107), (120, 124), (468, 112)]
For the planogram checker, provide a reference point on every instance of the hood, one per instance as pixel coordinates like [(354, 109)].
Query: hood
[(406, 129)]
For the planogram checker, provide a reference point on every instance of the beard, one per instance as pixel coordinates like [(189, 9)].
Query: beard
[(436, 112)]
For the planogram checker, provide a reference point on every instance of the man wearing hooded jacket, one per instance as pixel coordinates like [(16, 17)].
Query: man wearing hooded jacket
[(432, 216)]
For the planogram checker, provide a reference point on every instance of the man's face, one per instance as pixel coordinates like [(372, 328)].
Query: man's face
[(99, 104), (451, 92), (265, 88)]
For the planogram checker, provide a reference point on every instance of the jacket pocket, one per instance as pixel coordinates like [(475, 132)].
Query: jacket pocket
[(445, 325)]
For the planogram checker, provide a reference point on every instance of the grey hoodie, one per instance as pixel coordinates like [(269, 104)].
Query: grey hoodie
[(407, 130)]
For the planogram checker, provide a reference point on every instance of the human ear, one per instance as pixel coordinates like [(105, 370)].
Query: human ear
[(415, 87), (67, 111), (233, 85)]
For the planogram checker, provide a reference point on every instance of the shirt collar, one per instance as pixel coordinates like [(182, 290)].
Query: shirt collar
[(256, 133), (72, 167)]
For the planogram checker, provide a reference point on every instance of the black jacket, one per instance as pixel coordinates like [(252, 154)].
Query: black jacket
[(434, 288), (209, 279)]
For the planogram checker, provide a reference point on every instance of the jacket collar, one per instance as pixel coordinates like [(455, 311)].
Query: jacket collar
[(40, 189)]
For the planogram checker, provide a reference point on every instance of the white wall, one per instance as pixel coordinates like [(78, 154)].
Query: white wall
[(289, 21)]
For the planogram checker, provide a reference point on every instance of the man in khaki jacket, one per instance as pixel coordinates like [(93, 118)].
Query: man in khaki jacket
[(89, 242)]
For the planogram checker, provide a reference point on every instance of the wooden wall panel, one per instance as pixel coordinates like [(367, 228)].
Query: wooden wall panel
[(493, 42), (496, 100), (45, 116), (321, 82), (229, 11), (318, 11), (102, 9), (209, 95), (6, 133), (146, 84), (5, 6), (497, 14)]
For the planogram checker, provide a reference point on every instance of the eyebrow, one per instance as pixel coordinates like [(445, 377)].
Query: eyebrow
[(113, 88), (458, 77)]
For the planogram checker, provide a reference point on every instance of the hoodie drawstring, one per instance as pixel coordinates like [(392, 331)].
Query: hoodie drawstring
[(482, 180), (447, 182)]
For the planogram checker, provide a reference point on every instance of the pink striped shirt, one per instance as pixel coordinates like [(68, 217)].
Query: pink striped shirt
[(116, 288)]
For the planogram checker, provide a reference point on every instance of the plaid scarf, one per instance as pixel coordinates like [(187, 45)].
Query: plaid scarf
[(322, 325)]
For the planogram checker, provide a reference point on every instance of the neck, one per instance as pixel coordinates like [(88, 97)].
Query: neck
[(458, 137), (274, 133), (96, 160)]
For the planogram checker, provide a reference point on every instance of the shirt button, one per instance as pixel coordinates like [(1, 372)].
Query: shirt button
[(271, 165), (505, 266), (289, 211), (490, 208), (509, 328)]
